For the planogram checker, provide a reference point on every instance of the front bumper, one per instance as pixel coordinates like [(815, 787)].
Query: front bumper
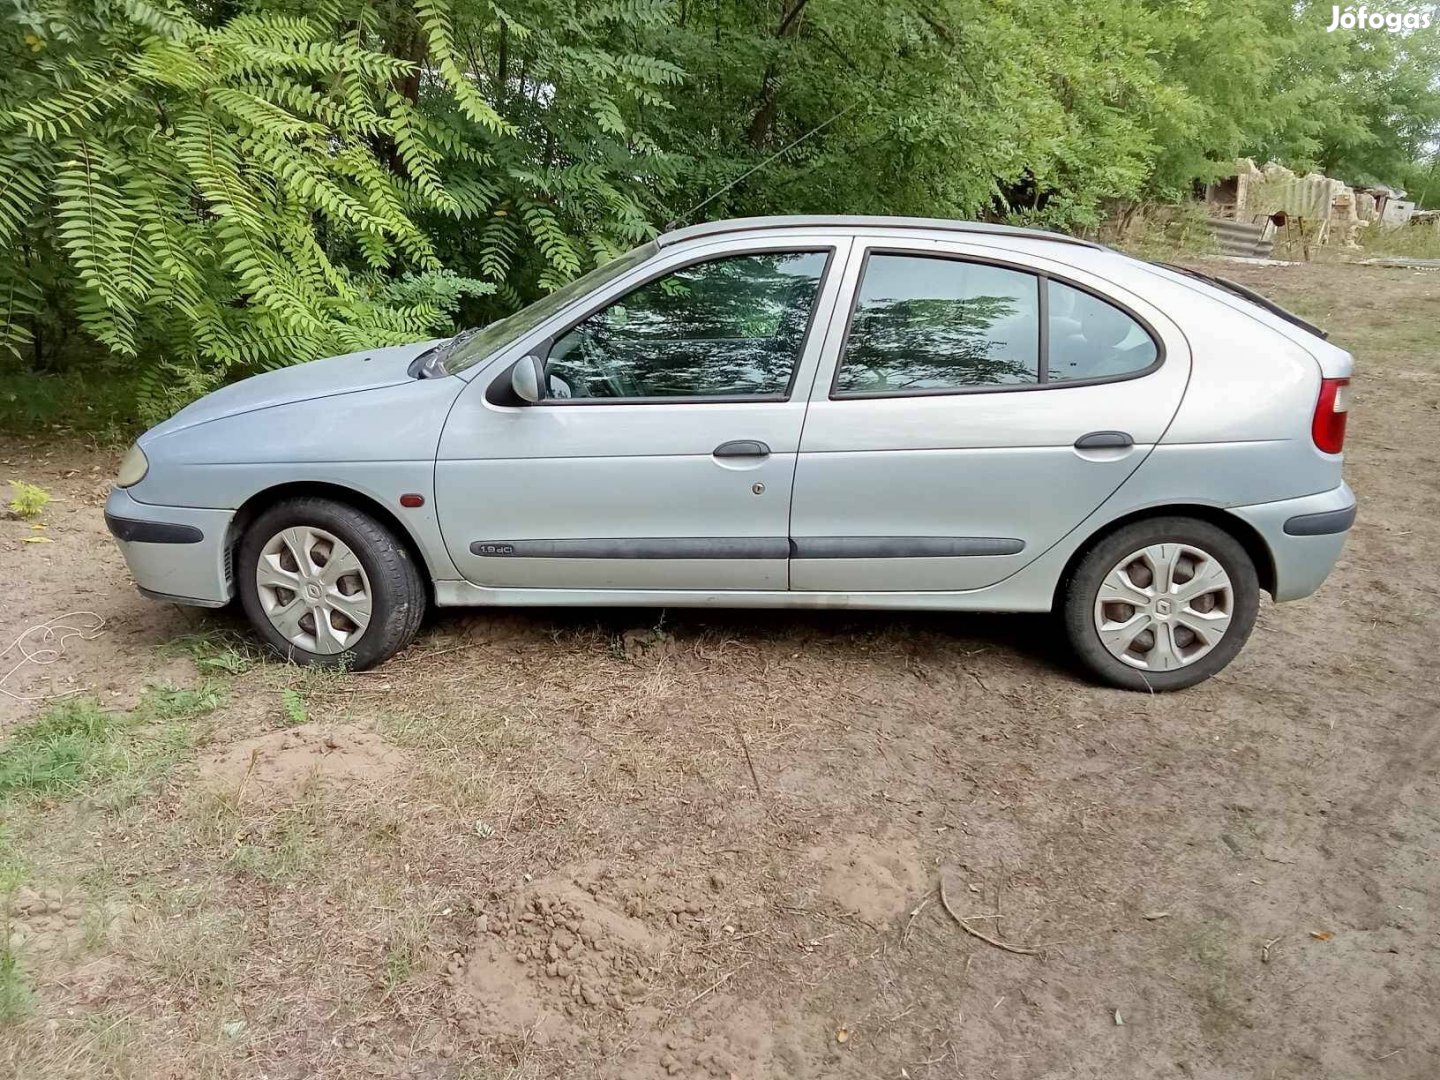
[(175, 553), (1305, 537)]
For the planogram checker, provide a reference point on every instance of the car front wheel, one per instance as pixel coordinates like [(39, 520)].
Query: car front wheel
[(328, 585), (1161, 604)]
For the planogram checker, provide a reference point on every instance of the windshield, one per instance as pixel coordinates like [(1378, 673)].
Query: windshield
[(470, 347)]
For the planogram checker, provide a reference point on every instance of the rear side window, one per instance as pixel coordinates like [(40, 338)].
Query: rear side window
[(1090, 339), (923, 323)]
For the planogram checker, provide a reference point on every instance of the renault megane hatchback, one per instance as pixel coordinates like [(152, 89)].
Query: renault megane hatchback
[(782, 412)]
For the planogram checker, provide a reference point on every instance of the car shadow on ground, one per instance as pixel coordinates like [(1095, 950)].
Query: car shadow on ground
[(1028, 639), (1032, 642)]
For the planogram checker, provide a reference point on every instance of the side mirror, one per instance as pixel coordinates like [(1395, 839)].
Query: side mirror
[(527, 378)]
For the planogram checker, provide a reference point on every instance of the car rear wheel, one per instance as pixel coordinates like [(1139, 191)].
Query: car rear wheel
[(327, 585), (1161, 604)]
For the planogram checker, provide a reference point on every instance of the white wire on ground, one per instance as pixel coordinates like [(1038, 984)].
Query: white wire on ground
[(44, 643)]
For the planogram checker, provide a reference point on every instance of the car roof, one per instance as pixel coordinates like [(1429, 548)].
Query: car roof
[(860, 222)]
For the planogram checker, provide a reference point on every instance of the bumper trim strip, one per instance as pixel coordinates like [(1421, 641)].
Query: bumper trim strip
[(152, 532), (1324, 524)]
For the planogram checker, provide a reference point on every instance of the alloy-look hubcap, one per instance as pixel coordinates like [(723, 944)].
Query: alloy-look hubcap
[(1164, 607), (313, 589)]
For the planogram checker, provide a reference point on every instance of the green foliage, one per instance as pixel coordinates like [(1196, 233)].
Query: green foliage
[(76, 746), (293, 703), (13, 868), (86, 401), (217, 653), (16, 996), (189, 194), (168, 703), (1415, 241), (71, 742), (218, 195), (1041, 113), (26, 500)]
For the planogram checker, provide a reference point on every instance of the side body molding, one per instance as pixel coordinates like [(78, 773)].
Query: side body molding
[(750, 547)]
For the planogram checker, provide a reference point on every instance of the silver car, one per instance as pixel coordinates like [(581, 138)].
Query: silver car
[(812, 412)]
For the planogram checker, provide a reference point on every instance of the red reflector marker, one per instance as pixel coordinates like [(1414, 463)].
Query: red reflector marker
[(412, 500), (1331, 411)]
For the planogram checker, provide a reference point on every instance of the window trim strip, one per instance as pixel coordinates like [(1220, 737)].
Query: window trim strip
[(1044, 277)]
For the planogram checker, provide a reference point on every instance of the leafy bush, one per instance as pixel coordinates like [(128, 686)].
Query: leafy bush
[(26, 500), (190, 193), (216, 193)]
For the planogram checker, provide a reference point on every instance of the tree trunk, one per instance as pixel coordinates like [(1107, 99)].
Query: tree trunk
[(769, 107)]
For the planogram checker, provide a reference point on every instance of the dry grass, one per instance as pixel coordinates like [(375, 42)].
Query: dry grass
[(762, 802)]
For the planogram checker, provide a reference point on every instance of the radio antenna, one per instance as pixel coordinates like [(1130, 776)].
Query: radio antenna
[(756, 168)]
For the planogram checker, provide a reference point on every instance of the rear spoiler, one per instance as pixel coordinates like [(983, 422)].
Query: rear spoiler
[(1251, 295)]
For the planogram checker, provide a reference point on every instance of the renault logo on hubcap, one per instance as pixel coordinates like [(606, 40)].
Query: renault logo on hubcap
[(1162, 608), (312, 591)]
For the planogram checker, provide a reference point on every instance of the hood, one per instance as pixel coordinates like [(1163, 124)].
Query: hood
[(334, 375)]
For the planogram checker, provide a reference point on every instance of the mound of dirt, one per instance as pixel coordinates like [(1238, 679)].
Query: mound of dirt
[(554, 954), (874, 878), (728, 1038), (284, 762)]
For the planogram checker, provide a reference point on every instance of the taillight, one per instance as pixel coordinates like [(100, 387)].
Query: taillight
[(1328, 428)]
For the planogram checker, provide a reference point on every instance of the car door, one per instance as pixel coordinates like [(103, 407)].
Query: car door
[(664, 456), (977, 407)]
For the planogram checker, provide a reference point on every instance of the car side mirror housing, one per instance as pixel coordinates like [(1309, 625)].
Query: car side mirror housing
[(527, 378)]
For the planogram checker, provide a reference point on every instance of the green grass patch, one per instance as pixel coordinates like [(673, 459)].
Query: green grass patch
[(77, 747), (168, 703), (405, 948), (1409, 241), (218, 653), (282, 851), (70, 744), (13, 869), (16, 996), (295, 711)]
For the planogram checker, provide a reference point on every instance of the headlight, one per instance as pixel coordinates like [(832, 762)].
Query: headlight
[(133, 468)]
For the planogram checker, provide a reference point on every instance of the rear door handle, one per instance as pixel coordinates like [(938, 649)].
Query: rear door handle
[(742, 448), (1105, 440)]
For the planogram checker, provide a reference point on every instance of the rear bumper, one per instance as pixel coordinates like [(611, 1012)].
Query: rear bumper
[(1305, 537), (175, 553)]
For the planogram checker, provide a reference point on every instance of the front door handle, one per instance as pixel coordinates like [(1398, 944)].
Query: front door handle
[(1105, 440), (742, 448)]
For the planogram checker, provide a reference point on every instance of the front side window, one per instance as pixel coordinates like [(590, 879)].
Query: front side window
[(924, 323), (470, 347), (731, 327)]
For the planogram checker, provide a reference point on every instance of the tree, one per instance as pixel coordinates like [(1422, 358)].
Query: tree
[(229, 192), (193, 190)]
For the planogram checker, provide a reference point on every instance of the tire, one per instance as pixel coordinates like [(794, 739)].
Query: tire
[(375, 577), (1177, 656)]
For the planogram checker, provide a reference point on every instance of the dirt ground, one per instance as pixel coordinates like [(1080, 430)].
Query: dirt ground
[(635, 844)]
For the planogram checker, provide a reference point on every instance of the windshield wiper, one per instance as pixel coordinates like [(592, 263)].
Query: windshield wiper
[(1236, 289), (431, 363), (448, 347)]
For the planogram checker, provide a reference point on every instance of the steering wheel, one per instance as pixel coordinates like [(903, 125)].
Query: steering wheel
[(596, 358)]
